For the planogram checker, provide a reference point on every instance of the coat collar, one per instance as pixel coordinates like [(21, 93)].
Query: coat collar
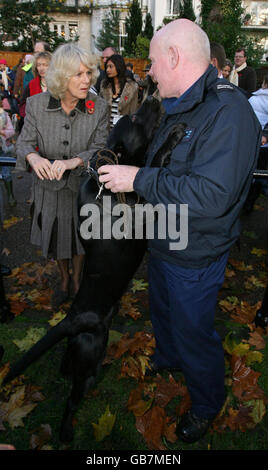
[(54, 104), (196, 93)]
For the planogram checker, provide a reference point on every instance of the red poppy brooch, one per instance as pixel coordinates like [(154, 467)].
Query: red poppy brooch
[(90, 105)]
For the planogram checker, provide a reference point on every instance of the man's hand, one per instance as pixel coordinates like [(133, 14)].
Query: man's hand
[(118, 178)]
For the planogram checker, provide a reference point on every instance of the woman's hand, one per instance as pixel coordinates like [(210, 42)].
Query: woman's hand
[(60, 166), (40, 165)]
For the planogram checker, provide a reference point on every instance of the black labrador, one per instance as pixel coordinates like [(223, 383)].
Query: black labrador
[(110, 265)]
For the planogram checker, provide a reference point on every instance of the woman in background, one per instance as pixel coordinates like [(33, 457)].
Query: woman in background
[(120, 91)]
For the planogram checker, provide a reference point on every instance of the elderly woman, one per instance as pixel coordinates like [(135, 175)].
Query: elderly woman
[(63, 128), (120, 91)]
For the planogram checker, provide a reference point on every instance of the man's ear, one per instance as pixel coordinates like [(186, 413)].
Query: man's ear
[(173, 55)]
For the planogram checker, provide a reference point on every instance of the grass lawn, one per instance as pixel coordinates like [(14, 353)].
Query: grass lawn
[(132, 412)]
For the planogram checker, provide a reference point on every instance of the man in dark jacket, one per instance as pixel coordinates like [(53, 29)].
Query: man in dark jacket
[(210, 171), (242, 75)]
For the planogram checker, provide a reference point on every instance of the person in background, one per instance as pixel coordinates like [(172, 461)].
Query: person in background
[(259, 102), (242, 75), (218, 57), (27, 68), (118, 90), (67, 124), (7, 149), (130, 71), (106, 53), (204, 186), (146, 87), (228, 66), (38, 83)]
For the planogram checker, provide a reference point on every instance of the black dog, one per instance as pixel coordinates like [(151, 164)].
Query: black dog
[(109, 267)]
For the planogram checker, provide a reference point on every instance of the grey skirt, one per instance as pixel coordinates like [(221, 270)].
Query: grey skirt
[(55, 222)]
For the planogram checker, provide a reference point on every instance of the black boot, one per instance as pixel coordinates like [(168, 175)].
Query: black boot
[(9, 187), (261, 319)]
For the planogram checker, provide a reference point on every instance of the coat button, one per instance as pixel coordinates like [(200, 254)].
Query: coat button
[(65, 157), (72, 113), (65, 142), (67, 126)]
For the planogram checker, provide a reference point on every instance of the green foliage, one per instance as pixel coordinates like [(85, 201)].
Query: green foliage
[(109, 34), (133, 27), (187, 11), (148, 27), (142, 47), (26, 23), (222, 21)]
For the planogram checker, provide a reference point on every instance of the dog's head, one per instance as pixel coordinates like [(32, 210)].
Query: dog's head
[(132, 134)]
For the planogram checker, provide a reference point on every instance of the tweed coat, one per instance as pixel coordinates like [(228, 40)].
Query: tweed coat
[(128, 102), (53, 134)]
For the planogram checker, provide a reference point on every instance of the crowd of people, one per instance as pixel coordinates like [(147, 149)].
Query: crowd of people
[(69, 105)]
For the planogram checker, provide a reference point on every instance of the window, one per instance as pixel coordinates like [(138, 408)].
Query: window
[(173, 7), (258, 12), (73, 31)]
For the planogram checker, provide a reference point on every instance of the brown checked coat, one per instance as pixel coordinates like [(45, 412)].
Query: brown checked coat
[(53, 134)]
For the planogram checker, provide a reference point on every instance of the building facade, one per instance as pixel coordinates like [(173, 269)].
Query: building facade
[(82, 19)]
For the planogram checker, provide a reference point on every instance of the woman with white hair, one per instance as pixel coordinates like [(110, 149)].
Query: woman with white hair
[(63, 128)]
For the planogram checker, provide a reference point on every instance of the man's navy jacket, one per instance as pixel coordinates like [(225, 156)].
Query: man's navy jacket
[(210, 169)]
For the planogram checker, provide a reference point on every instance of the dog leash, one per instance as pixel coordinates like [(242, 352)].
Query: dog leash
[(104, 160)]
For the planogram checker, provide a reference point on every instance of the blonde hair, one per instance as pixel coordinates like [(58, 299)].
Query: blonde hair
[(65, 63), (41, 55)]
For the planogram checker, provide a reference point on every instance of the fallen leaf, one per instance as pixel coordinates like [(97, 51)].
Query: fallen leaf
[(12, 221), (258, 252), (256, 340), (252, 282), (104, 426), (152, 425), (40, 437), (57, 318), (258, 410), (139, 285), (16, 409), (245, 381), (240, 265), (137, 402), (33, 335), (3, 372)]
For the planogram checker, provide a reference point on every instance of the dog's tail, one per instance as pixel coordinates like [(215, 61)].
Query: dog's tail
[(53, 336)]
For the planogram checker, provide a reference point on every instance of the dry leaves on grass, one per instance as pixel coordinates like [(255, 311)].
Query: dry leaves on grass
[(17, 401)]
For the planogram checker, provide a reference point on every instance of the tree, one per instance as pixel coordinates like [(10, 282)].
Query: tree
[(133, 27), (184, 9), (25, 23), (222, 21), (109, 34), (187, 11), (148, 27), (142, 47)]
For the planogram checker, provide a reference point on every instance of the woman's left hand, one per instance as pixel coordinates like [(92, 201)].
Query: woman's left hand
[(60, 166)]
